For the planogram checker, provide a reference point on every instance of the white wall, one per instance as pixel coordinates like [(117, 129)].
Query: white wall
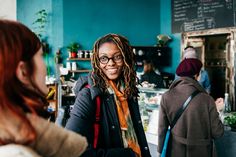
[(8, 9)]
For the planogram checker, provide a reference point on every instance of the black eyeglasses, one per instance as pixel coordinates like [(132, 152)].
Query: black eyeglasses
[(116, 59)]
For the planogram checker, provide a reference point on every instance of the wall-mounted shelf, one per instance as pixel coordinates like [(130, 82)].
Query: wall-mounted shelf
[(215, 66), (80, 65), (80, 71), (51, 101), (79, 59)]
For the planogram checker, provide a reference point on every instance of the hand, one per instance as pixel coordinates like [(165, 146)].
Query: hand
[(219, 104)]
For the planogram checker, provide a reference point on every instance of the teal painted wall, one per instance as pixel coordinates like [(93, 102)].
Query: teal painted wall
[(84, 21), (26, 13), (165, 28)]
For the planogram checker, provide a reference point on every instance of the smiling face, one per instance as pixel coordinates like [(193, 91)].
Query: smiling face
[(113, 68)]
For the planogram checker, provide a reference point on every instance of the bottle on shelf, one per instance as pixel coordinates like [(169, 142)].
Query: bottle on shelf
[(73, 66), (227, 106), (80, 53), (86, 54), (90, 53), (68, 66)]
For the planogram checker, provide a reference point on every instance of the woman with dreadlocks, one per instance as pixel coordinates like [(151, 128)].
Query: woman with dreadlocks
[(113, 80)]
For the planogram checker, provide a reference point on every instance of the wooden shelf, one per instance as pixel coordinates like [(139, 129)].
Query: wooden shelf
[(216, 50), (80, 71), (52, 101), (216, 66), (79, 59)]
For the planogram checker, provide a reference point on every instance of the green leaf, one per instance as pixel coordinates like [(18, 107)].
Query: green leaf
[(230, 120)]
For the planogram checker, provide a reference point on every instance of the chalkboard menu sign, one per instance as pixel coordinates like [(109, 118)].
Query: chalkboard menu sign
[(193, 15)]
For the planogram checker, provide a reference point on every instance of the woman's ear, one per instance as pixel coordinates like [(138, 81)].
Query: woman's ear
[(21, 73)]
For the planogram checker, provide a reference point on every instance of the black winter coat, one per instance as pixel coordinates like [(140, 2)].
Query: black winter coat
[(82, 119)]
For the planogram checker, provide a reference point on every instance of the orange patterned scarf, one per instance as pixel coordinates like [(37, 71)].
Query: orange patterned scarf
[(126, 124)]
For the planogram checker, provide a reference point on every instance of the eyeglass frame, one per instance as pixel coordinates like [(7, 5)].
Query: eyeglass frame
[(112, 58)]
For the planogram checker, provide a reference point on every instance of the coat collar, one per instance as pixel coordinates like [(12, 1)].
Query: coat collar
[(187, 81), (87, 80)]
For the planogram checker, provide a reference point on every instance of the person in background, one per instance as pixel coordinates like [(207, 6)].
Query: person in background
[(113, 80), (199, 124), (23, 129), (203, 79), (150, 75)]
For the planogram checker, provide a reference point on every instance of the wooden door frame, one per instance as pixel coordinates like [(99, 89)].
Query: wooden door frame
[(200, 41), (231, 49)]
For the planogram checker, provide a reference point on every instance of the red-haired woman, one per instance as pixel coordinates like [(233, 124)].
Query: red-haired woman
[(22, 98)]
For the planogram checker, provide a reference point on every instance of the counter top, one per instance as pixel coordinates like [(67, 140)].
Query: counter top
[(152, 90), (226, 145)]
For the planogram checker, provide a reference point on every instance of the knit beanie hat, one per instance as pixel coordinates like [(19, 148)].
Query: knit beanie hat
[(189, 67), (190, 53)]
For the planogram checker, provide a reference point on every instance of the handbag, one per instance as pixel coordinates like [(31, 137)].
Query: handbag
[(170, 127)]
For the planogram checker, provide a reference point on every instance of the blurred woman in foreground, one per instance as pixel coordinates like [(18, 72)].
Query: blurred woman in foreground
[(22, 99)]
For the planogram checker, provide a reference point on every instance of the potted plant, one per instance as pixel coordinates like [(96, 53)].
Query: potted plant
[(39, 25), (73, 49), (231, 121), (162, 40)]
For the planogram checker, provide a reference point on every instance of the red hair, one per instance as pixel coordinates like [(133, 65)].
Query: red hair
[(18, 43)]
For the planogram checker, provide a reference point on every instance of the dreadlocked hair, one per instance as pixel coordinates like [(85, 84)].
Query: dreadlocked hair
[(128, 72)]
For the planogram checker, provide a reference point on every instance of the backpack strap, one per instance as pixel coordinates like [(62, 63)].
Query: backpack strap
[(178, 114), (183, 107), (97, 119)]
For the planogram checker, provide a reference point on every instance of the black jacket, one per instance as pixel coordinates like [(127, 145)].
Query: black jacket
[(82, 119)]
